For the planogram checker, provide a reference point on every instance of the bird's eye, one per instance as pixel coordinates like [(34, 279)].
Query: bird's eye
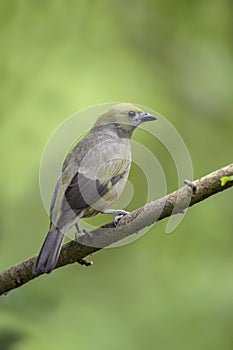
[(131, 114)]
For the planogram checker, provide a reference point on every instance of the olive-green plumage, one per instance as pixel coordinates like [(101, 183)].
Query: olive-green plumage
[(93, 176)]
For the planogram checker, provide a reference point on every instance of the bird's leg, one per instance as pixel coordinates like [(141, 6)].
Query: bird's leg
[(119, 213), (79, 233), (115, 211)]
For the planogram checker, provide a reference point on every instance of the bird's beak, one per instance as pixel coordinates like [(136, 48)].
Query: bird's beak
[(146, 117)]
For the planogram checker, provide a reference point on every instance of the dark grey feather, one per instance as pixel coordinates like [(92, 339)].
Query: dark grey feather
[(49, 253), (83, 192)]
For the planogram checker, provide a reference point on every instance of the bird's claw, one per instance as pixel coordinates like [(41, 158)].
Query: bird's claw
[(117, 218), (79, 234)]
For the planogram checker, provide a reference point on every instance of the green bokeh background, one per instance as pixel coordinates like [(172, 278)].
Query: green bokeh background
[(163, 291)]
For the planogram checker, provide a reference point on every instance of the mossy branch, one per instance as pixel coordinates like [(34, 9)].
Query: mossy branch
[(173, 203)]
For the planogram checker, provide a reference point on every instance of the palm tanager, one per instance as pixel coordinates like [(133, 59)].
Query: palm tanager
[(93, 176)]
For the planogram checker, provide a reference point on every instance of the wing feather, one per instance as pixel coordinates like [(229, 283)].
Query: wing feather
[(89, 174), (83, 192)]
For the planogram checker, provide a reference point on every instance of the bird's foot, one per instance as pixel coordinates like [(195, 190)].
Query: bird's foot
[(85, 262), (117, 218), (192, 186), (79, 233), (120, 213)]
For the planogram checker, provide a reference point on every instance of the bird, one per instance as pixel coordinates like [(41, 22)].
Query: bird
[(92, 177)]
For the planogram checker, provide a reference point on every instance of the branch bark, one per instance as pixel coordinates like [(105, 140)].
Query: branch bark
[(173, 203)]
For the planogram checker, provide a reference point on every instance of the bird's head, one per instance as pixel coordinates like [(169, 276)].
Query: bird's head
[(123, 118)]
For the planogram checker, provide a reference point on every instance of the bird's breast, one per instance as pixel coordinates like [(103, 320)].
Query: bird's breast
[(98, 160)]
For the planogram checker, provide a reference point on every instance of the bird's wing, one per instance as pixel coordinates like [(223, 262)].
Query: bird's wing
[(83, 191)]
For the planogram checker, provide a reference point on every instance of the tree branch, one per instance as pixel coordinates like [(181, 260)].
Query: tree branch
[(173, 203)]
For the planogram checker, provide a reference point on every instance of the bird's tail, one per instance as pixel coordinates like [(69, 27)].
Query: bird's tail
[(49, 253)]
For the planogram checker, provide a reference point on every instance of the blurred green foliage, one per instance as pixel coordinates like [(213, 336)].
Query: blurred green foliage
[(57, 57)]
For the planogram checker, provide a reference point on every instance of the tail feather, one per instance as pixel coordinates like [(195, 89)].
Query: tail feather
[(49, 253)]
